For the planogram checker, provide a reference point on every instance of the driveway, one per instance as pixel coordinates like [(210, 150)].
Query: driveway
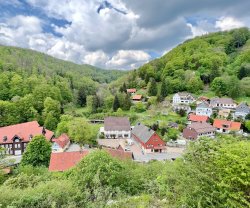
[(139, 156)]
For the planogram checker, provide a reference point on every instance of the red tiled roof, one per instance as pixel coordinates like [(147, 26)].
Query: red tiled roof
[(224, 124), (203, 98), (62, 140), (120, 154), (133, 90), (23, 131), (65, 160), (197, 118), (137, 97)]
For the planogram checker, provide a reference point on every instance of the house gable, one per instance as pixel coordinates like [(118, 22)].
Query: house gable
[(155, 140)]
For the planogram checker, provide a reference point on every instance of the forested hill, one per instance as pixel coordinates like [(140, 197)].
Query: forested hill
[(12, 58), (35, 86), (220, 60)]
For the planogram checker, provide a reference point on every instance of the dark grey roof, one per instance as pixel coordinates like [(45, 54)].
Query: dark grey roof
[(222, 101), (202, 127), (243, 107), (186, 95), (173, 124), (142, 132), (203, 105), (116, 124)]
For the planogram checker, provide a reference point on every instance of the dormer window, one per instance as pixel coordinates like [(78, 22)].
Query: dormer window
[(30, 137), (5, 138), (225, 126)]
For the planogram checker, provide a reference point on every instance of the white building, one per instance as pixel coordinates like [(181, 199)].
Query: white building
[(183, 98), (223, 103), (204, 109), (242, 111), (116, 127)]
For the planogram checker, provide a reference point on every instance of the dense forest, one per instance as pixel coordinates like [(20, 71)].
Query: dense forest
[(212, 173), (220, 61), (35, 86)]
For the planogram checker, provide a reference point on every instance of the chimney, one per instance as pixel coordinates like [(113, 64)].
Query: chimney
[(43, 131)]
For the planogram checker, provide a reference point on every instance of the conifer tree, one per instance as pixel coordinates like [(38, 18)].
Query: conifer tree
[(116, 103), (152, 87), (163, 90), (127, 102)]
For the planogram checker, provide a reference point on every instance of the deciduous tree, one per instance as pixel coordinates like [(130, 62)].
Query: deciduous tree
[(37, 152)]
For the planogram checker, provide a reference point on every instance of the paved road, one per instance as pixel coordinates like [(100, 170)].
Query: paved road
[(172, 153)]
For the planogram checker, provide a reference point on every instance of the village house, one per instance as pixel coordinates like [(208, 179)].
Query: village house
[(178, 107), (242, 111), (61, 161), (197, 118), (203, 109), (116, 127), (223, 103), (183, 98), (148, 139), (137, 98), (131, 91), (61, 143), (15, 138), (173, 125), (202, 99), (224, 113), (224, 126), (197, 130)]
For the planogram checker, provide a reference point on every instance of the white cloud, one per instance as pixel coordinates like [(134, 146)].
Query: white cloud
[(228, 23), (111, 39), (128, 58), (97, 58), (196, 30), (18, 30)]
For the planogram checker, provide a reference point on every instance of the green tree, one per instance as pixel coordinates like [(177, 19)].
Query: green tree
[(172, 134), (26, 108), (100, 163), (214, 173), (93, 103), (244, 71), (194, 84), (219, 85), (244, 86), (9, 113), (116, 103), (152, 87), (81, 132), (234, 87), (82, 96), (123, 88), (164, 89), (247, 125), (127, 102), (51, 113), (37, 152)]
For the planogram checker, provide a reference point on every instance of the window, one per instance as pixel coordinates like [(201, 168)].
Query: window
[(125, 135)]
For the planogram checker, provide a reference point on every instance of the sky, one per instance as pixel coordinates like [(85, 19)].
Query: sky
[(114, 34)]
